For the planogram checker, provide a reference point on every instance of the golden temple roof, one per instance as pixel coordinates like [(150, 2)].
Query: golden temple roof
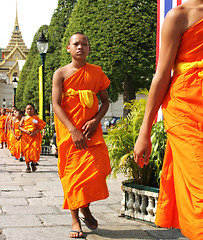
[(16, 39)]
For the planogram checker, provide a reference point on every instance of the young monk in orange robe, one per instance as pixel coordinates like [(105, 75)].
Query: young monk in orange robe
[(30, 126), (83, 156), (7, 130), (180, 202), (16, 147), (9, 120), (2, 127), (40, 134)]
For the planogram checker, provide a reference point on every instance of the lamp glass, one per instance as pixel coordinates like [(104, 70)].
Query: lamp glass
[(42, 46), (15, 83), (4, 102)]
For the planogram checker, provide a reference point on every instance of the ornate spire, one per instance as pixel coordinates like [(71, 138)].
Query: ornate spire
[(16, 22), (16, 38)]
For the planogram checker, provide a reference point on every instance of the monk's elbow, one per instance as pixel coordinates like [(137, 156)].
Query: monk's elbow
[(106, 104), (55, 106)]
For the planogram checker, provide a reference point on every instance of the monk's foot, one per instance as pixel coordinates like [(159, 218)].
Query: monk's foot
[(28, 170), (88, 219), (76, 231), (34, 168)]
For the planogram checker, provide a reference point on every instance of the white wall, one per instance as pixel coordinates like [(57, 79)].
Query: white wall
[(6, 91), (115, 109)]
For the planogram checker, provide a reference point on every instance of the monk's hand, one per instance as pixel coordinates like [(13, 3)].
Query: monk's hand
[(78, 139), (32, 134), (142, 150), (28, 133), (89, 128)]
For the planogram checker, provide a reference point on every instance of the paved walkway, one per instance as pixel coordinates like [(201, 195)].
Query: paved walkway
[(31, 207)]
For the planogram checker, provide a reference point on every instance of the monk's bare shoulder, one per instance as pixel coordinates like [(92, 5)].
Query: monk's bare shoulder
[(185, 15), (177, 19), (62, 73), (22, 120)]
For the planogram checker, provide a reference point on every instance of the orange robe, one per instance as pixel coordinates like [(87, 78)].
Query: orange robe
[(41, 122), (11, 136), (16, 147), (82, 172), (31, 146), (180, 202), (2, 128), (8, 132)]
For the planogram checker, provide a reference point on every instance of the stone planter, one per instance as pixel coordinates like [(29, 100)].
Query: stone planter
[(139, 202), (46, 150)]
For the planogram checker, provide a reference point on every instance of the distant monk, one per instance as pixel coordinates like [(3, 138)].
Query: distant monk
[(2, 128), (16, 147), (31, 126), (9, 119), (83, 156)]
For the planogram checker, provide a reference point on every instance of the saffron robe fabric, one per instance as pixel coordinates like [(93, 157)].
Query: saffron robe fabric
[(16, 146), (2, 128), (8, 132), (180, 203), (82, 172), (31, 145)]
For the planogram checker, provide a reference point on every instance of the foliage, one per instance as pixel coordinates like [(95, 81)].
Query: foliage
[(122, 37), (46, 141), (55, 34), (28, 84), (28, 88), (121, 139), (158, 139)]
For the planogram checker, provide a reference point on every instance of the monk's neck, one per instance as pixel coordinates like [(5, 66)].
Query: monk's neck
[(78, 64)]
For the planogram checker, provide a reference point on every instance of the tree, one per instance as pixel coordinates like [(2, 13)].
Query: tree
[(28, 88), (28, 84), (122, 35), (57, 27)]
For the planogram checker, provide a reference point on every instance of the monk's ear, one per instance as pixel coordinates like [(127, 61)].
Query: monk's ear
[(68, 48)]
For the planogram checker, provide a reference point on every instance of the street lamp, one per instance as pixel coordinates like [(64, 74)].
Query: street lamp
[(42, 45), (15, 85), (4, 102)]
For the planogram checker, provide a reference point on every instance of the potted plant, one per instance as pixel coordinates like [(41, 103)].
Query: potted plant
[(46, 140), (142, 185)]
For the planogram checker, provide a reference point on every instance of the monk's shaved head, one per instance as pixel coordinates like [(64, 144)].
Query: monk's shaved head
[(77, 33)]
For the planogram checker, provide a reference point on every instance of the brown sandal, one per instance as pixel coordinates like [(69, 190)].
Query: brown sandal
[(34, 168), (28, 170)]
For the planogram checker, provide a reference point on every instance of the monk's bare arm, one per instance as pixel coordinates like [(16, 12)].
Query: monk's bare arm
[(173, 28), (32, 134), (6, 124), (21, 128), (90, 126), (57, 85), (12, 128), (21, 124)]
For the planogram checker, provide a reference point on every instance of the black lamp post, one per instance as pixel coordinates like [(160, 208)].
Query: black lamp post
[(42, 45), (15, 85), (4, 102)]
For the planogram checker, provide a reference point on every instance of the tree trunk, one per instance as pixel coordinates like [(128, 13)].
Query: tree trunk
[(128, 94)]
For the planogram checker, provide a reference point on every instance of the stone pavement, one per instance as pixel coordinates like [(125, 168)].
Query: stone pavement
[(31, 207)]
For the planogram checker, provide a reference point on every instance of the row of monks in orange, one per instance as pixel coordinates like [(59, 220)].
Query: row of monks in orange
[(22, 132)]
